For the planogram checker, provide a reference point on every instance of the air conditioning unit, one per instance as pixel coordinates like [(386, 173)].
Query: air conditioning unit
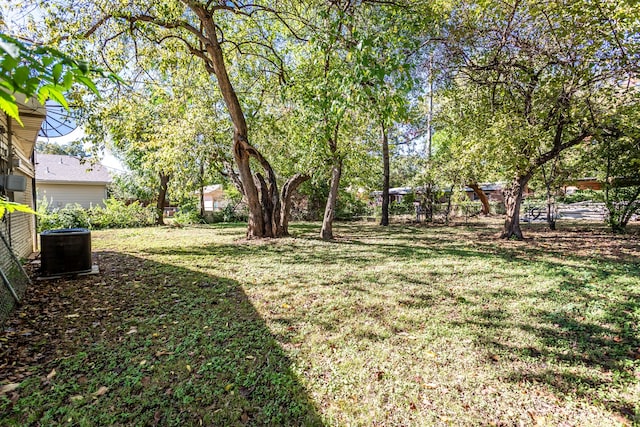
[(14, 182)]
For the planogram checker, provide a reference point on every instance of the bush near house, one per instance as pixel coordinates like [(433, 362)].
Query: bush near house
[(350, 207), (233, 212), (188, 214), (114, 214)]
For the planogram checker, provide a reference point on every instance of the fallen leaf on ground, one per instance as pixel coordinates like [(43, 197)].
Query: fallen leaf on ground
[(538, 420), (7, 388), (51, 374), (102, 390)]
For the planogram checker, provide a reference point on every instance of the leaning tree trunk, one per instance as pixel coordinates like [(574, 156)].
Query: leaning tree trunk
[(162, 198), (210, 37), (482, 196), (330, 210), (242, 150), (256, 225), (385, 182), (512, 203)]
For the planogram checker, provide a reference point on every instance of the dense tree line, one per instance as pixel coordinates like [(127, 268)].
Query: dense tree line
[(272, 96)]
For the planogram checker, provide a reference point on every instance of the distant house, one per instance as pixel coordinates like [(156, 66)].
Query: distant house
[(588, 183), (493, 191), (66, 179), (396, 194), (213, 198)]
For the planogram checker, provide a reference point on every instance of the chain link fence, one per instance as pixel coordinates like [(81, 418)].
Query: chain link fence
[(14, 280)]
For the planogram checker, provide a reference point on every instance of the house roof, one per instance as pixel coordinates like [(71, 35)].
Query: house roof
[(32, 114), (55, 168), (487, 186), (211, 188)]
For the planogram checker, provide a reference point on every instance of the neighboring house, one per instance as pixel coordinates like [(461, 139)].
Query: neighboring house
[(589, 183), (62, 180), (493, 191), (396, 194), (17, 170), (213, 198)]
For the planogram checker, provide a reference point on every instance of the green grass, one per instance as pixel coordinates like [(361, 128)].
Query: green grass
[(398, 326)]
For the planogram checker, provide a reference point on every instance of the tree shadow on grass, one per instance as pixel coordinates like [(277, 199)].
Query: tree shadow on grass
[(573, 356), (147, 343), (570, 347)]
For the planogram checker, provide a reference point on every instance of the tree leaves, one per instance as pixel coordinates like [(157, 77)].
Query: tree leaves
[(7, 206), (41, 71), (8, 105)]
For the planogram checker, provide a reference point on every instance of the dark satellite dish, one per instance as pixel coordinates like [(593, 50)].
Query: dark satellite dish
[(58, 121)]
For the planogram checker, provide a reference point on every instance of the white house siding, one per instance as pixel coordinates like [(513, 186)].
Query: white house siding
[(19, 227), (59, 195), (23, 227)]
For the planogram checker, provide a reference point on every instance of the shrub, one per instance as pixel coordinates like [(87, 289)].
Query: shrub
[(235, 213), (187, 215), (583, 196), (71, 216), (349, 206), (401, 208), (117, 214)]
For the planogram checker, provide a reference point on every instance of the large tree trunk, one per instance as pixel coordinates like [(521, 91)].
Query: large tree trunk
[(256, 225), (269, 197), (162, 198), (512, 203), (385, 181), (513, 195), (242, 150), (330, 210), (285, 200), (483, 197)]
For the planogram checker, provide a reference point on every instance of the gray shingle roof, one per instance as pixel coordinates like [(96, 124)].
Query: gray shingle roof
[(58, 168)]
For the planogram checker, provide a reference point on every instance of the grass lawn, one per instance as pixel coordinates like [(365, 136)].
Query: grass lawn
[(398, 326)]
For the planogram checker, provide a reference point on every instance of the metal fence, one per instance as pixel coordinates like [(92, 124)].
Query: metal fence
[(14, 280)]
